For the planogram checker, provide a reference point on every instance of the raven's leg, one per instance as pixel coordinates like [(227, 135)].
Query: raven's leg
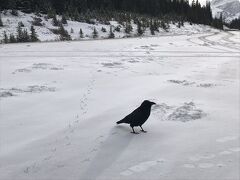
[(133, 131), (142, 129)]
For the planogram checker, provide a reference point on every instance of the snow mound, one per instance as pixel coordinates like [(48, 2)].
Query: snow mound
[(184, 113)]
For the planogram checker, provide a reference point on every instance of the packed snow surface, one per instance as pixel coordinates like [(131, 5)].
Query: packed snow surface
[(59, 103)]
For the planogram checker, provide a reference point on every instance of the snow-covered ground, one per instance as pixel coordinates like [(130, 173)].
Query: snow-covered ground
[(59, 103), (44, 32)]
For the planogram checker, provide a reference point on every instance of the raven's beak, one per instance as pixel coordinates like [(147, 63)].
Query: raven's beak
[(153, 103)]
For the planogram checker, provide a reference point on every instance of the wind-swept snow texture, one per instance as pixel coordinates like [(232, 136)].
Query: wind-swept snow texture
[(59, 103)]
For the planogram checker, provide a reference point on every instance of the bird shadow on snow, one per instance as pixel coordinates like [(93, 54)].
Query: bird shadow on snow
[(118, 140)]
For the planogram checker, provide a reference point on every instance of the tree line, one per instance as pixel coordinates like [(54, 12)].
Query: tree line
[(192, 12)]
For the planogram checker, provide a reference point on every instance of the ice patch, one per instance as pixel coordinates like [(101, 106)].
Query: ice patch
[(225, 153), (200, 157), (205, 165), (189, 166), (227, 138), (141, 167), (235, 149)]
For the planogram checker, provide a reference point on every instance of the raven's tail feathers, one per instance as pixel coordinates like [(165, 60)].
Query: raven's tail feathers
[(120, 122)]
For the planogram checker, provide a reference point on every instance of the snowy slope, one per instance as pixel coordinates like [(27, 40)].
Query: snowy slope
[(45, 34), (59, 103), (229, 8)]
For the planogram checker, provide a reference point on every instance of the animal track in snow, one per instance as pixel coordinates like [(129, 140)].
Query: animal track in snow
[(141, 167)]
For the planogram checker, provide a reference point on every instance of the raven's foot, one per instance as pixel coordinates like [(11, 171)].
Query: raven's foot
[(142, 129)]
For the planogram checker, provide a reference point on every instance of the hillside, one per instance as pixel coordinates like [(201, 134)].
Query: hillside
[(45, 30)]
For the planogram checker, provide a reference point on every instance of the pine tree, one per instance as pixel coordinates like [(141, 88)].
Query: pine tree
[(64, 20), (51, 13), (95, 33), (1, 23), (19, 34), (14, 12), (118, 28), (152, 29), (128, 28), (64, 36), (103, 29), (111, 34), (5, 40), (55, 22), (81, 33), (33, 35), (139, 28), (12, 39), (26, 37)]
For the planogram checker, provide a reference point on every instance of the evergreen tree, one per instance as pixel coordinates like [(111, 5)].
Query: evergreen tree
[(95, 33), (64, 20), (26, 37), (235, 24), (118, 29), (12, 39), (64, 36), (103, 29), (33, 35), (128, 28), (1, 23), (55, 22), (19, 33), (14, 12), (152, 28), (20, 24), (81, 33), (139, 28), (111, 34), (51, 13), (5, 40)]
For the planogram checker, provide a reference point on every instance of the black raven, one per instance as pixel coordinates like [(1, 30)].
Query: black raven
[(139, 116)]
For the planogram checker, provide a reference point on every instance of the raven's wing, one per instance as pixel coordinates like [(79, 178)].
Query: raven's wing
[(136, 114)]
